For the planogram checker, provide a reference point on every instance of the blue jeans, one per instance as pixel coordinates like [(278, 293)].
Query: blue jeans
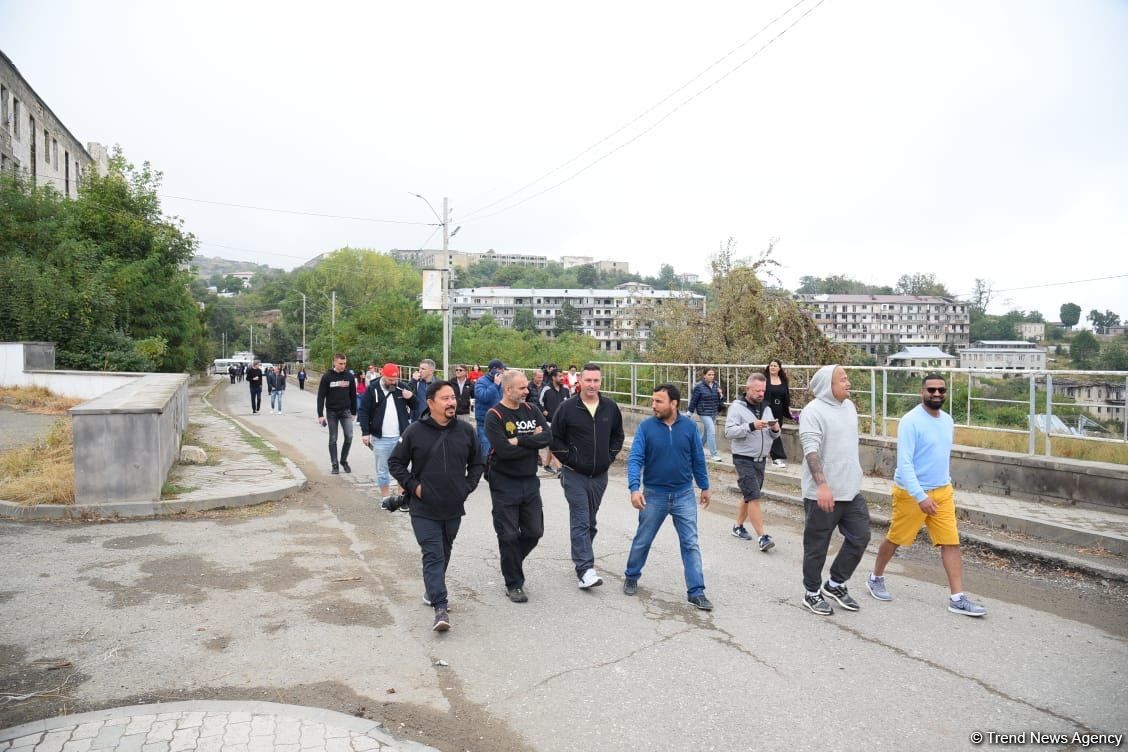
[(682, 506), (709, 424), (483, 442), (436, 539), (276, 400), (382, 449)]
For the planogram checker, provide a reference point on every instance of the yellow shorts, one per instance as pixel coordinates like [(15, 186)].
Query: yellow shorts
[(907, 518)]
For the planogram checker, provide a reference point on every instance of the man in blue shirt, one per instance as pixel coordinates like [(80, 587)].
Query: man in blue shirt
[(922, 494), (668, 455)]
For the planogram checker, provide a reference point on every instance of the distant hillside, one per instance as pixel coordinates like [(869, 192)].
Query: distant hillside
[(206, 266)]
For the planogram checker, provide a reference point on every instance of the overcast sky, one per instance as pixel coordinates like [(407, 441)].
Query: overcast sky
[(962, 138)]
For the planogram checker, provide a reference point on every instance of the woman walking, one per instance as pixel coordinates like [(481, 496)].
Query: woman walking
[(778, 397), (706, 401)]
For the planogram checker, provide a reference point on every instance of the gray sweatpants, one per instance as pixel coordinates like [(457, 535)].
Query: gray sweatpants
[(584, 494)]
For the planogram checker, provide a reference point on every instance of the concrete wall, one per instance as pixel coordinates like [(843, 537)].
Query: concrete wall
[(126, 441), (1061, 481), (33, 363)]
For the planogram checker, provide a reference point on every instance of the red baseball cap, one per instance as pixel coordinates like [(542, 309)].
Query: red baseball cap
[(390, 371)]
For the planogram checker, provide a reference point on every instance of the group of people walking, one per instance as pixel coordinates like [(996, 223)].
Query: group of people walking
[(525, 427)]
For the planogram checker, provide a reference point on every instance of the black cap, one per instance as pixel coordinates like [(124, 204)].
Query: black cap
[(496, 364)]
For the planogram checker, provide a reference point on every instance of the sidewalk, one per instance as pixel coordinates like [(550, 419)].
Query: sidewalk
[(1091, 540), (204, 727), (242, 469)]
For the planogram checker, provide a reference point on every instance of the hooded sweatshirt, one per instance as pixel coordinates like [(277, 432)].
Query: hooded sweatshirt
[(740, 429), (446, 460), (829, 428)]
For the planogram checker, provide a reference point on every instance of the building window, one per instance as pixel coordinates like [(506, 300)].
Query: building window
[(55, 153), (4, 106), (16, 118), (46, 146)]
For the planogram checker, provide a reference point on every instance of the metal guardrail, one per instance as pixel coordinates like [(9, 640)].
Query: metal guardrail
[(1008, 402)]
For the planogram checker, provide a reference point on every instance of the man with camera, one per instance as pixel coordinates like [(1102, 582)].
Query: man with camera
[(438, 463), (384, 414), (517, 432)]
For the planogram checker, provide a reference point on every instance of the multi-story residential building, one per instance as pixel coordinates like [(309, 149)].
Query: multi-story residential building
[(611, 316), (33, 140), (927, 357), (435, 259), (1009, 355), (1102, 399), (1031, 331), (883, 324), (603, 265)]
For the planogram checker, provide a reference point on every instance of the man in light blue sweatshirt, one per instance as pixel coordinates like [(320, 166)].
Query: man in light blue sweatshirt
[(922, 494), (832, 484), (668, 456)]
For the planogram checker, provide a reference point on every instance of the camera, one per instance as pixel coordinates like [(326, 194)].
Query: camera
[(395, 502)]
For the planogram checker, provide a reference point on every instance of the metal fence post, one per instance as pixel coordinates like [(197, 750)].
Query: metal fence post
[(1049, 411), (884, 400), (873, 402), (634, 384), (1033, 413)]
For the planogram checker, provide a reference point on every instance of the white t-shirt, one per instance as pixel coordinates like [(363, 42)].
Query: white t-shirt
[(390, 428)]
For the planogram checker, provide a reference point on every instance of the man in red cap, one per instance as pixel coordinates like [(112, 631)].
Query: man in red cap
[(385, 412)]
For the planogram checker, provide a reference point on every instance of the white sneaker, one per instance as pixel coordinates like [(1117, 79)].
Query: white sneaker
[(779, 463), (590, 580)]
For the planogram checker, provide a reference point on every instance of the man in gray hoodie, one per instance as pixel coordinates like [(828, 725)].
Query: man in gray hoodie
[(751, 428), (832, 483)]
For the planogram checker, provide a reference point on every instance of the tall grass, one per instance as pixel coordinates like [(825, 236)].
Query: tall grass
[(36, 399), (42, 473)]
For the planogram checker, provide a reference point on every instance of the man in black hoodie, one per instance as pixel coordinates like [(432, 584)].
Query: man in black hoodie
[(445, 466), (336, 406), (254, 379), (516, 432), (587, 433)]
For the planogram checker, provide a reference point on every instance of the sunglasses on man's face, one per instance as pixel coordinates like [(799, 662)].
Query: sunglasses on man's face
[(936, 389)]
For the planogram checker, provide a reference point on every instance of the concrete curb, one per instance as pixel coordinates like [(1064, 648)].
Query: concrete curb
[(880, 519), (372, 729), (157, 508)]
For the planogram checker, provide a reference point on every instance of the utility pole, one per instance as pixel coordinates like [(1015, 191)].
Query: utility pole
[(252, 347), (333, 321), (303, 326), (446, 290)]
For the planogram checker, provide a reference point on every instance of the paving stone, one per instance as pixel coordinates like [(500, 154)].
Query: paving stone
[(238, 717), (213, 726), (313, 735), (140, 724), (78, 745), (87, 730), (364, 744), (287, 748), (107, 738), (28, 741), (235, 748), (237, 733), (336, 732), (184, 739), (54, 740), (161, 731), (288, 731), (261, 744), (131, 743), (262, 725), (119, 721), (190, 720), (155, 747), (338, 745), (209, 744)]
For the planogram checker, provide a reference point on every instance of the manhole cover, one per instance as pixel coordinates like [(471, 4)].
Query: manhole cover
[(249, 472)]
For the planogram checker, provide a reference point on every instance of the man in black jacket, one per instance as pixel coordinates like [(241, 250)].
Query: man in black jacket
[(463, 390), (516, 432), (336, 406), (445, 466), (381, 427), (254, 379), (587, 433)]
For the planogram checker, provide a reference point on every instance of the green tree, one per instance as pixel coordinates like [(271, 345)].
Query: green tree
[(1084, 349), (921, 284), (1114, 357), (1070, 314), (839, 284), (1102, 321), (524, 321), (587, 276), (568, 320)]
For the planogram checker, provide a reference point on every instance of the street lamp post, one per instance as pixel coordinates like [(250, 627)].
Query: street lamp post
[(303, 325)]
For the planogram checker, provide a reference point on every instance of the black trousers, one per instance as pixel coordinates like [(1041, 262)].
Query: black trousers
[(435, 539), (777, 449), (344, 420), (853, 521), (518, 518), (256, 399)]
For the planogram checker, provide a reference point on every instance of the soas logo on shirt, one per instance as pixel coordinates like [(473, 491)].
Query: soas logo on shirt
[(521, 425)]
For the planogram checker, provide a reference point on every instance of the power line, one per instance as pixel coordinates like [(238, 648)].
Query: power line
[(1055, 284), (646, 112), (296, 211)]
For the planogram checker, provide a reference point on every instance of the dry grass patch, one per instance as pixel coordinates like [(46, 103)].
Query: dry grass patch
[(42, 473), (36, 399)]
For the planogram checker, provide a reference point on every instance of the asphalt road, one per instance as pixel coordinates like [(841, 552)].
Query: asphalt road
[(317, 601)]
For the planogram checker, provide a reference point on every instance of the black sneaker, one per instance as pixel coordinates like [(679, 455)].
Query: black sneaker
[(817, 604), (517, 595), (335, 471), (345, 467), (701, 602), (630, 586), (442, 620), (839, 594)]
